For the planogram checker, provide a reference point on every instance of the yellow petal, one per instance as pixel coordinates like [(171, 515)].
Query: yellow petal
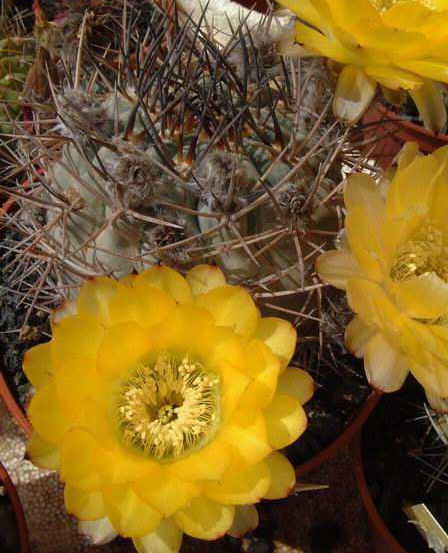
[(43, 454), (263, 368), (439, 404), (364, 235), (84, 505), (409, 199), (408, 153), (369, 300), (285, 421), (386, 369), (123, 347), (167, 538), (336, 267), (315, 41), (394, 78), (247, 434), (168, 281), (395, 97), (45, 415), (431, 105), (296, 383), (98, 531), (130, 516), (204, 278), (144, 305), (306, 11), (78, 337), (37, 365), (357, 336), (241, 487), (354, 92), (166, 494), (246, 520), (422, 297), (71, 389), (279, 335), (231, 307), (205, 519), (283, 476), (95, 296), (209, 463), (79, 455), (361, 189), (236, 387), (65, 309), (433, 70)]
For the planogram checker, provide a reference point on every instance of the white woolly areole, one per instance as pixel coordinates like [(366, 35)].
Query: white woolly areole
[(224, 15)]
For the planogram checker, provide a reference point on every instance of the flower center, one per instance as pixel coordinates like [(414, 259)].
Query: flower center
[(169, 409), (424, 253)]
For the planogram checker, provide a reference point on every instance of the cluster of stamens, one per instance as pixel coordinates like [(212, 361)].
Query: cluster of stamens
[(169, 408), (425, 253)]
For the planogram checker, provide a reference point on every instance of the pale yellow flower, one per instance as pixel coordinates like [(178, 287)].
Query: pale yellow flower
[(162, 401), (394, 266), (400, 44)]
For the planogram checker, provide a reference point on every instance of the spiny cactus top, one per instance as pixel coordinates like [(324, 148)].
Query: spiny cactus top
[(162, 402), (394, 266), (400, 44)]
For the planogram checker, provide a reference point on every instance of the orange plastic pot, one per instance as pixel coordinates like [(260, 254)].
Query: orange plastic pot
[(11, 491), (391, 132), (382, 539)]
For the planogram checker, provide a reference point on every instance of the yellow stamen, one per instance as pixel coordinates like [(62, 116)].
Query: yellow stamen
[(424, 253), (169, 409)]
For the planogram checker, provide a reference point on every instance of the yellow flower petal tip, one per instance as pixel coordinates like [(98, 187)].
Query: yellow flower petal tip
[(395, 271), (159, 400), (398, 44)]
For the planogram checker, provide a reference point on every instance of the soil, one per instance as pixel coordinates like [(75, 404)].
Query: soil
[(9, 535), (397, 441)]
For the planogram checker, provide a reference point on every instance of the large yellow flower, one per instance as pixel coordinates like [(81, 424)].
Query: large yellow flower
[(394, 266), (400, 44), (161, 401)]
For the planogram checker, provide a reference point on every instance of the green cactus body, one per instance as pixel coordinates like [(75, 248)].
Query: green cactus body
[(182, 155), (14, 66)]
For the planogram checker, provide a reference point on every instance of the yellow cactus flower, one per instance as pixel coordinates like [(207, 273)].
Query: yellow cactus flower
[(394, 266), (162, 401), (400, 44)]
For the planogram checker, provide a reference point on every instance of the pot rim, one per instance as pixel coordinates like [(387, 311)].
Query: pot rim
[(375, 519), (17, 507)]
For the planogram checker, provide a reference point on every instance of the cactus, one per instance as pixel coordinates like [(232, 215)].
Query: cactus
[(15, 61), (180, 152)]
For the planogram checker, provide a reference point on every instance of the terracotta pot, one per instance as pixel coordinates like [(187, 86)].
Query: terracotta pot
[(6, 482), (382, 539), (393, 132), (13, 407), (353, 428)]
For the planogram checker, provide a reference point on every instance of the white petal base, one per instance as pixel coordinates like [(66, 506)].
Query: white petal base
[(166, 539), (98, 531), (246, 519)]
